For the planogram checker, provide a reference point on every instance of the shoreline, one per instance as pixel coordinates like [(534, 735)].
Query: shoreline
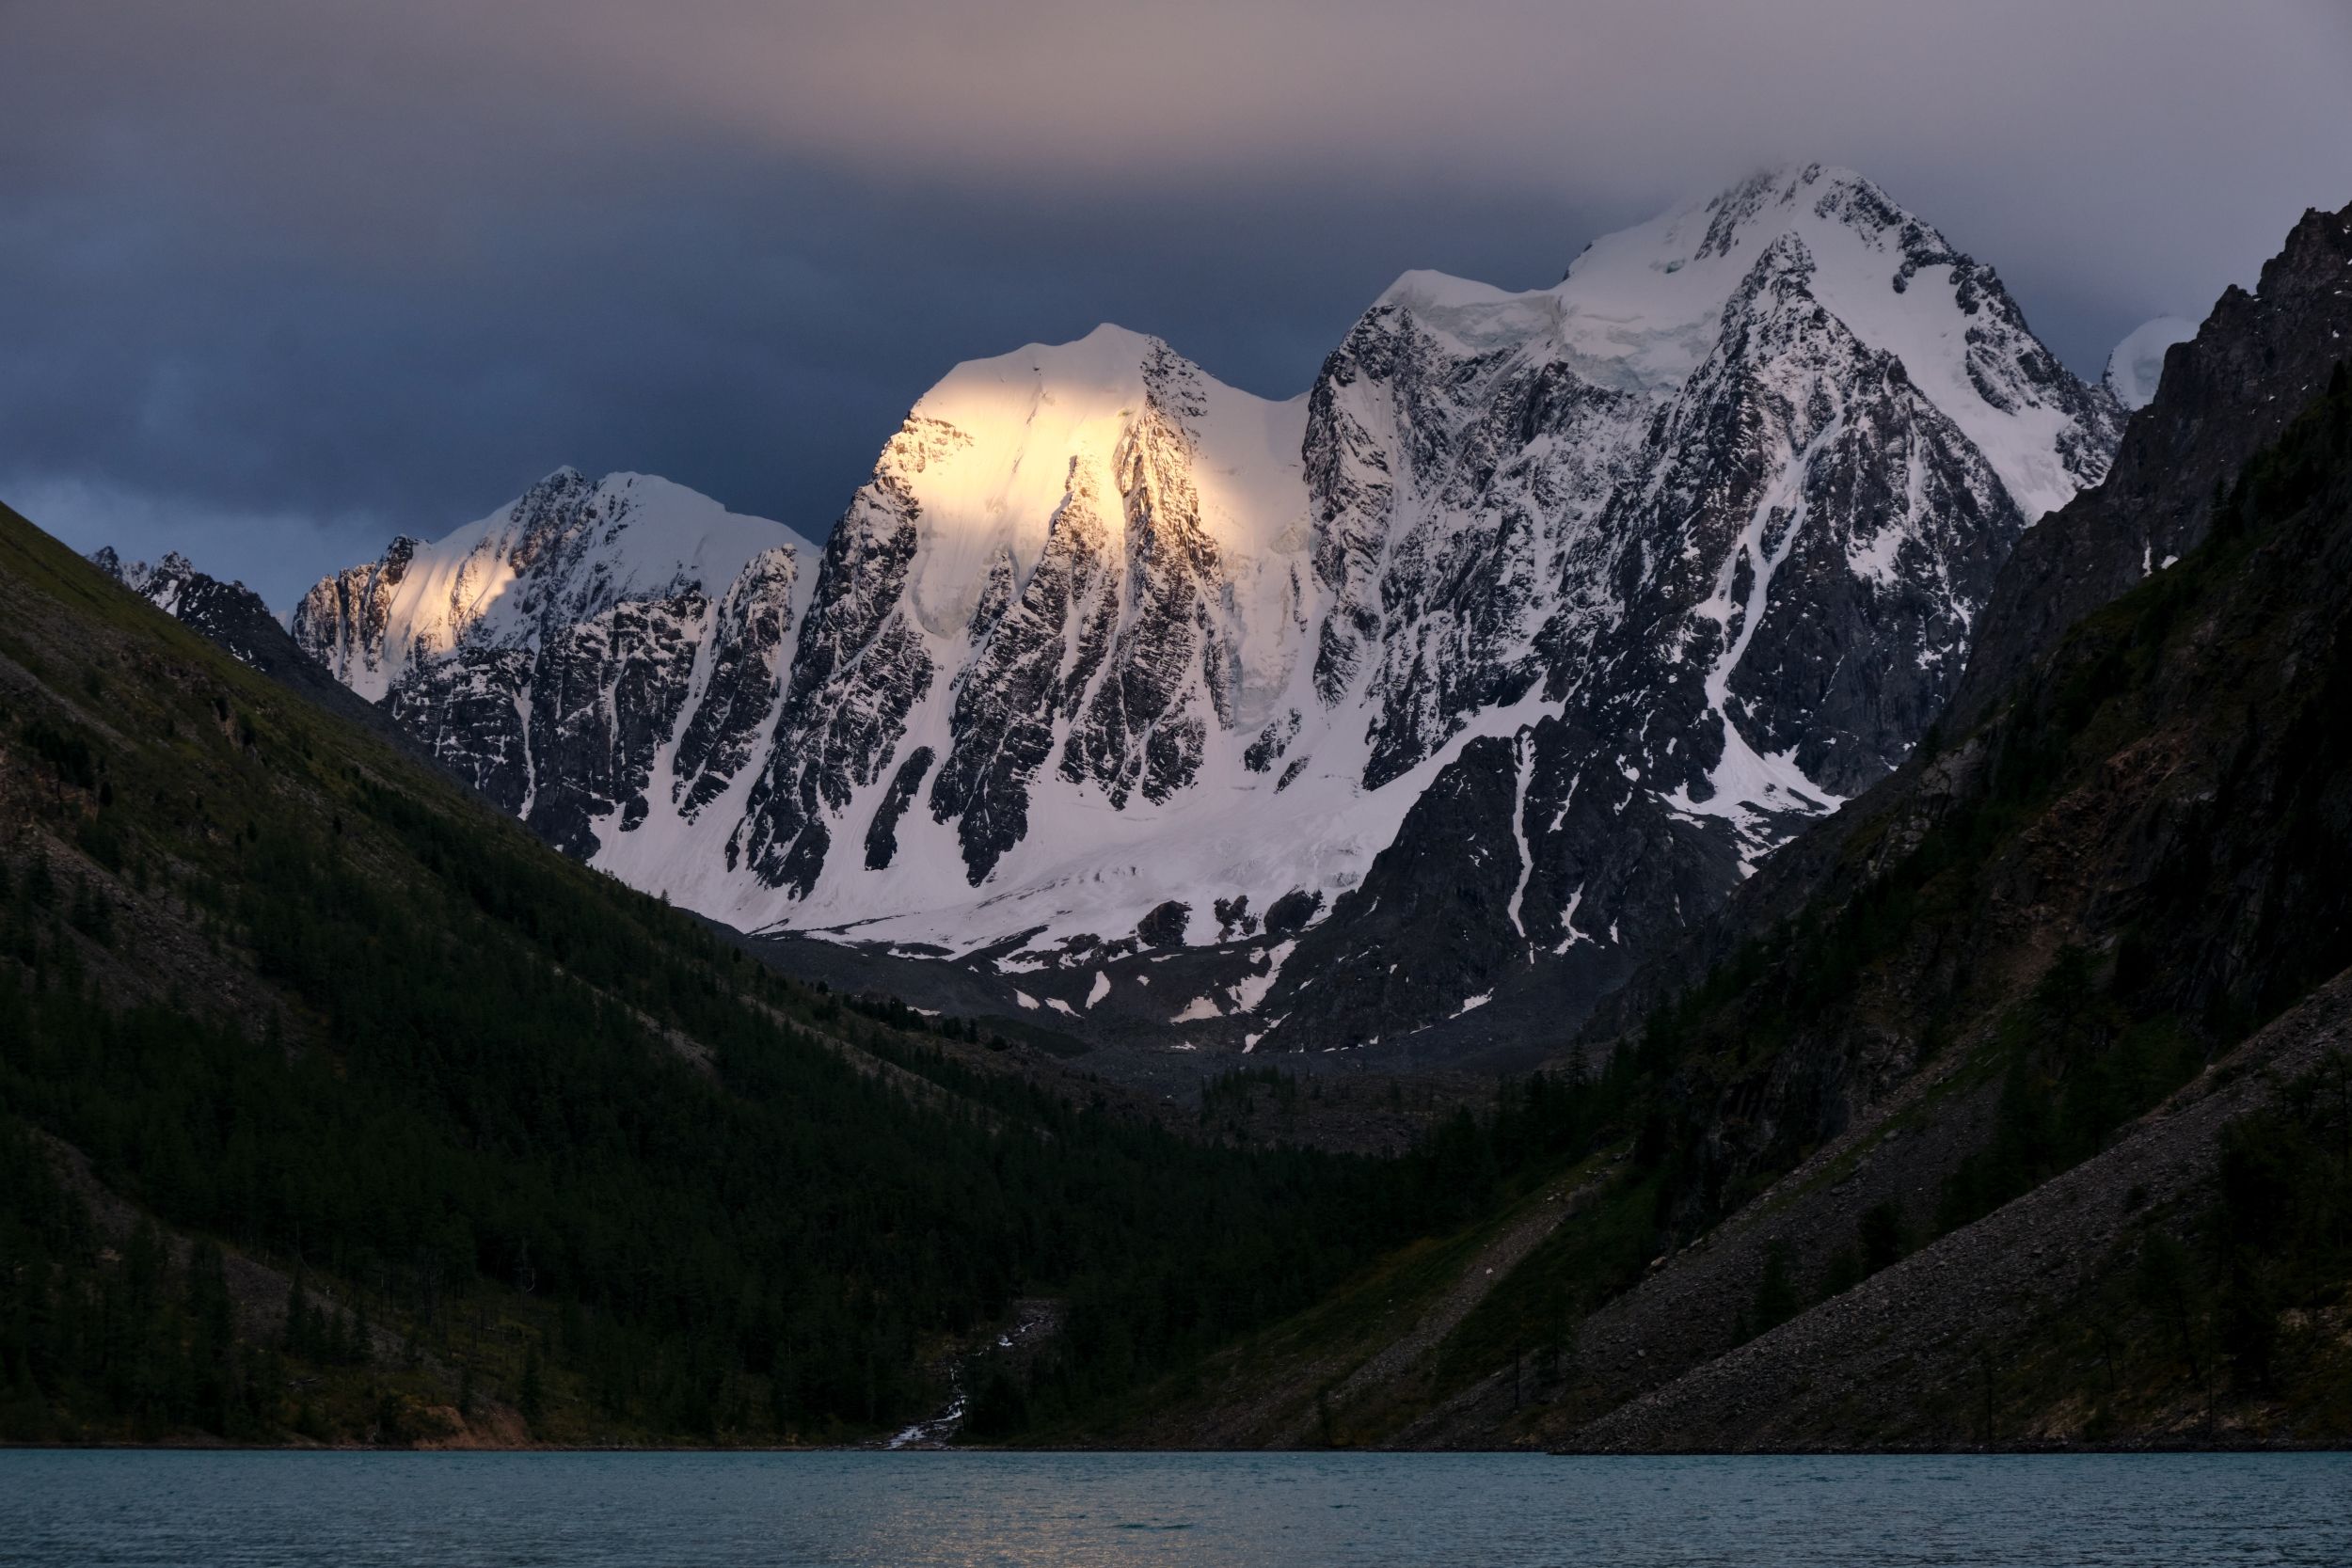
[(2050, 1450)]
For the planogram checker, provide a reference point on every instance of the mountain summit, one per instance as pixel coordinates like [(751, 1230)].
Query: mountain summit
[(593, 657)]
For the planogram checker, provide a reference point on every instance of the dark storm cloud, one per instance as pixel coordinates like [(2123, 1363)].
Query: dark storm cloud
[(279, 278)]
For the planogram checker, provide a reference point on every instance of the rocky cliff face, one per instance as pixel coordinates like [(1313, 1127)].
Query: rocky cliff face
[(1737, 591), (2253, 365), (2161, 790), (1506, 650), (599, 659)]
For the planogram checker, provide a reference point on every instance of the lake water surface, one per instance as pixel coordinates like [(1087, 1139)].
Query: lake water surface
[(1292, 1510)]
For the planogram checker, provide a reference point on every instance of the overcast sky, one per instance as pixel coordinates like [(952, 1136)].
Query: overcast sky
[(281, 277)]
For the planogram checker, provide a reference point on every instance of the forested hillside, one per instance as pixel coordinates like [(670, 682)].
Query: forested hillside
[(2031, 1125), (334, 1105)]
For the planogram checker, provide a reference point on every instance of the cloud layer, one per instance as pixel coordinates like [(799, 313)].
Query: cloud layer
[(307, 271)]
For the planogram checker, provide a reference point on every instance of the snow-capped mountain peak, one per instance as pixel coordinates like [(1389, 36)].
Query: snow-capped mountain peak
[(1640, 308), (1489, 661), (987, 456), (566, 550), (575, 651)]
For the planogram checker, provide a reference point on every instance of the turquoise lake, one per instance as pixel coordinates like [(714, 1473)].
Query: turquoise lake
[(1292, 1510)]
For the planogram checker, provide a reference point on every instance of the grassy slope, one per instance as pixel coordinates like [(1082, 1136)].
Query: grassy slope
[(1355, 1366)]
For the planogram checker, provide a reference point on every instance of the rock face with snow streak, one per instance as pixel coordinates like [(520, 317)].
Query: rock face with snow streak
[(598, 656), (230, 613), (1505, 649), (1753, 577)]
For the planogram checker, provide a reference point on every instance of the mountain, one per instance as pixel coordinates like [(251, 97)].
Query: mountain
[(2228, 392), (2083, 972), (2006, 1105), (597, 658), (2160, 789), (1830, 429), (2011, 1104), (1412, 710)]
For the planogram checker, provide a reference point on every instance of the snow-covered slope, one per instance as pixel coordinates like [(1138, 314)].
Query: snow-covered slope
[(1050, 632), (600, 658), (1488, 661)]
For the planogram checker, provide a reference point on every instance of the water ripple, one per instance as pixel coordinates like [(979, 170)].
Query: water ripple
[(127, 1510)]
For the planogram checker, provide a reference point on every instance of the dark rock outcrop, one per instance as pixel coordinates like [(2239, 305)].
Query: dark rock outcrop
[(1165, 925), (2256, 362)]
